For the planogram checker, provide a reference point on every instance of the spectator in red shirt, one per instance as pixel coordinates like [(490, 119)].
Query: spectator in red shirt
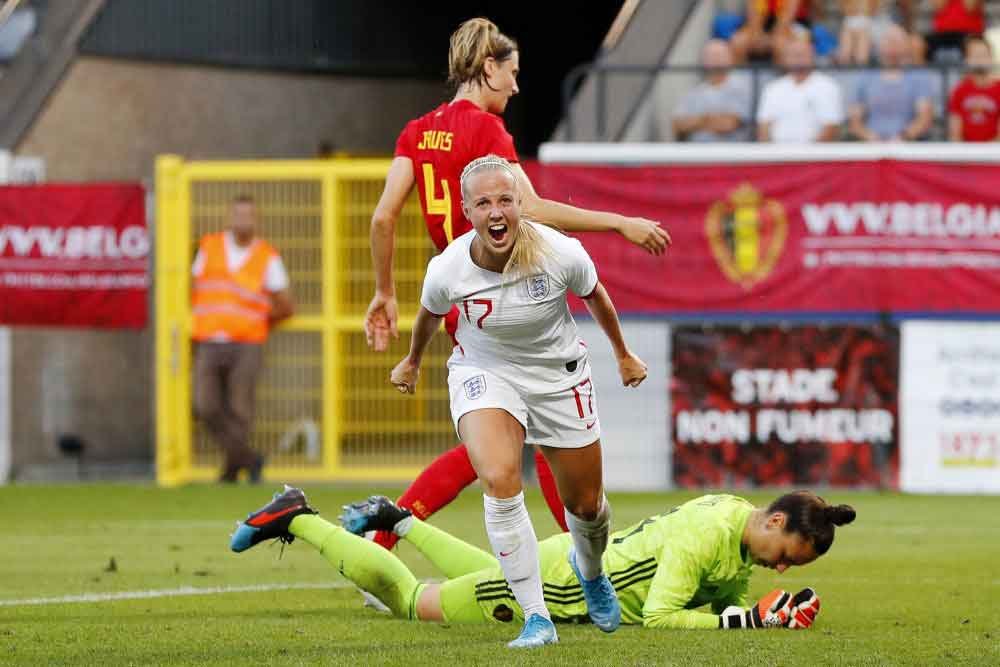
[(954, 21), (974, 108)]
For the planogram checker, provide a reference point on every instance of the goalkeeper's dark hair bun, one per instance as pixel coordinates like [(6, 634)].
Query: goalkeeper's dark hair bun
[(839, 515), (810, 516)]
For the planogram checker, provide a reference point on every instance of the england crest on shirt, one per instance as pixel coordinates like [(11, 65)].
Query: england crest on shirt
[(538, 287), (475, 387)]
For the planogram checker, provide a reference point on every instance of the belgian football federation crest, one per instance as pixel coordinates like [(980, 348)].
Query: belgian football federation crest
[(475, 387), (747, 234), (538, 287)]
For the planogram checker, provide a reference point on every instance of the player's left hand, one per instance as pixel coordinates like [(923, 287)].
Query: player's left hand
[(647, 234), (632, 369), (805, 608), (404, 376), (771, 611)]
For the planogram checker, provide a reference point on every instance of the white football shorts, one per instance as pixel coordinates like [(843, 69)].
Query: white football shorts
[(566, 419)]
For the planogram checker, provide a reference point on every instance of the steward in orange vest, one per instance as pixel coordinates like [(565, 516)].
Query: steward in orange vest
[(240, 290)]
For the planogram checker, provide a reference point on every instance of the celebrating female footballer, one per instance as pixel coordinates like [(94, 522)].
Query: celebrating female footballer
[(664, 567), (520, 374), (430, 153)]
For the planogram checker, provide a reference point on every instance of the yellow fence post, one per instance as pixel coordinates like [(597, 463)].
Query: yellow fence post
[(332, 358), (169, 448)]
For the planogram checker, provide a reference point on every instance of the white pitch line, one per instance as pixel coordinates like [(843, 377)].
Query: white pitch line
[(170, 592)]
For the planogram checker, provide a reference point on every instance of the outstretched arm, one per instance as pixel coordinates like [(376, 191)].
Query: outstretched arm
[(630, 367), (646, 234), (381, 318)]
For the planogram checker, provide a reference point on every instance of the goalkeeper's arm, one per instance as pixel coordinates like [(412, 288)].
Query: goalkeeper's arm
[(682, 565)]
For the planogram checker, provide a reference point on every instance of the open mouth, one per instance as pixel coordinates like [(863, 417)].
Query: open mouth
[(498, 231)]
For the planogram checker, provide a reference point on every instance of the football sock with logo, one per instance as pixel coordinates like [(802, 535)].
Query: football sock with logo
[(547, 482), (368, 565), (512, 537), (453, 557), (590, 539), (434, 488)]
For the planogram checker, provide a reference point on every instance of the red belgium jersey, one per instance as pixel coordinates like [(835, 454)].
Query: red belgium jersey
[(440, 144), (979, 109)]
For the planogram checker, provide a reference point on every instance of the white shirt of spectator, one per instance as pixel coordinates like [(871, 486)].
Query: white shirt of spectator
[(275, 277), (798, 112), (520, 330)]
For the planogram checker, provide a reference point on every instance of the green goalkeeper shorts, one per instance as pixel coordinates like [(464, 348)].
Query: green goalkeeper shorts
[(485, 597)]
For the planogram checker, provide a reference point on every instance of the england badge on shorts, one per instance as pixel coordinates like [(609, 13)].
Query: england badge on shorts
[(475, 387), (538, 287)]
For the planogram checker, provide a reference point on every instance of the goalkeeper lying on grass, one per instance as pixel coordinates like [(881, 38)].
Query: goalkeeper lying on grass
[(663, 568)]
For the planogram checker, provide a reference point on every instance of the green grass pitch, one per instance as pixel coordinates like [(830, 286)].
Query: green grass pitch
[(914, 581)]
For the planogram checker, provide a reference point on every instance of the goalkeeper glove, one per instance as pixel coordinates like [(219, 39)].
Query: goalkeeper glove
[(805, 607), (771, 611)]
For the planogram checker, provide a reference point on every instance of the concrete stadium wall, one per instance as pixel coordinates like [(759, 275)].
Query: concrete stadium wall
[(108, 120)]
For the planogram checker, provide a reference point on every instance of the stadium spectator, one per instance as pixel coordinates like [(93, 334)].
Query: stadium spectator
[(891, 104), (954, 21), (802, 106), (769, 24), (15, 30), (700, 553), (856, 31), (240, 291), (719, 108), (974, 107)]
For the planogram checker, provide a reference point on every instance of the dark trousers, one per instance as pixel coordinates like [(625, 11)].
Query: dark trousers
[(225, 379)]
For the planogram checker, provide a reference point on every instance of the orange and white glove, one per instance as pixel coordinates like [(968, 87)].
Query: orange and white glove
[(772, 611), (805, 608)]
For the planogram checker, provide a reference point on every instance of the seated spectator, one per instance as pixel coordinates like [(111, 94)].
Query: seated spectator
[(974, 107), (18, 27), (856, 31), (803, 106), (891, 104), (718, 109), (954, 21), (769, 25)]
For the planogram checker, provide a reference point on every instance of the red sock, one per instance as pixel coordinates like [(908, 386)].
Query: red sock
[(549, 490), (435, 487)]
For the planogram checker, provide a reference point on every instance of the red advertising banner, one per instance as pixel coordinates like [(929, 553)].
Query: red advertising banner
[(73, 255), (773, 406), (862, 236)]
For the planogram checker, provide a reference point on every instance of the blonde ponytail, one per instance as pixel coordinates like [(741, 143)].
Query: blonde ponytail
[(529, 253), (475, 41)]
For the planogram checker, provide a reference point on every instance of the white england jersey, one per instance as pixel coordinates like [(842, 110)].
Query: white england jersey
[(519, 329)]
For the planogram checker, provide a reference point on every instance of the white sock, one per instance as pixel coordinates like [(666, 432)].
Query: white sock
[(512, 537), (590, 538), (403, 526)]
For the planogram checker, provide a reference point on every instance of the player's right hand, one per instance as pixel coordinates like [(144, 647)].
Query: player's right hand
[(647, 234), (381, 322), (404, 376), (805, 608), (772, 611), (632, 370)]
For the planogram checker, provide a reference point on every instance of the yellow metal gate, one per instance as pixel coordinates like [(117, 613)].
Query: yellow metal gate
[(325, 409)]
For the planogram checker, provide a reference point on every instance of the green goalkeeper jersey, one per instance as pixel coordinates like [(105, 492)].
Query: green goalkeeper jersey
[(662, 568)]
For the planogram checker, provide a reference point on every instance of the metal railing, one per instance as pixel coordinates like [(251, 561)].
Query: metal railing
[(946, 77)]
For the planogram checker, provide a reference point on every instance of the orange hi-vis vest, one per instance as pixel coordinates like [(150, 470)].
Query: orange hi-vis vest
[(231, 306)]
